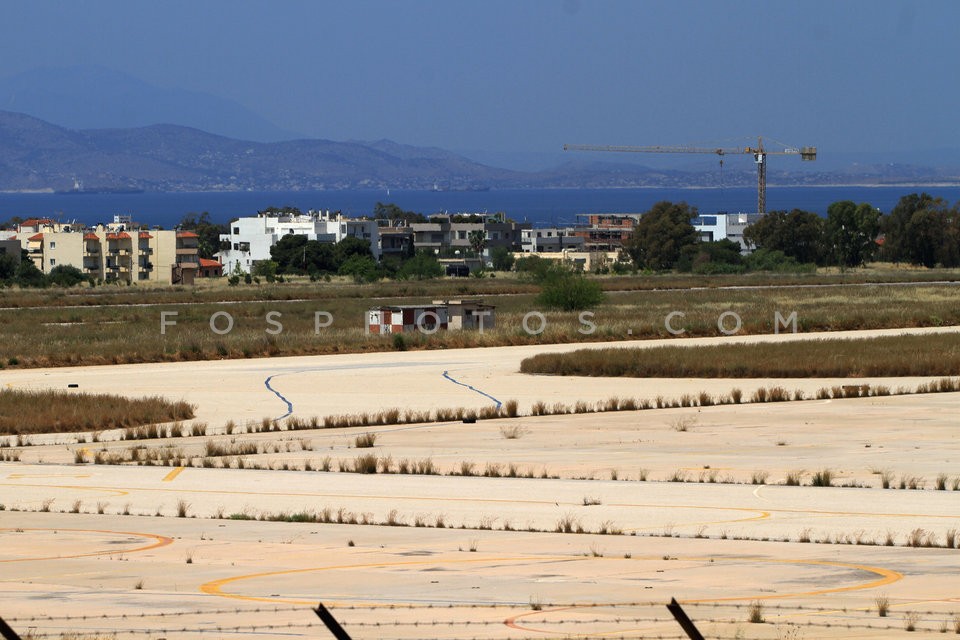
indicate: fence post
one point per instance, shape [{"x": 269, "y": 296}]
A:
[
  {"x": 685, "y": 622},
  {"x": 327, "y": 618},
  {"x": 7, "y": 632}
]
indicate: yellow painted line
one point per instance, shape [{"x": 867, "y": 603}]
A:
[
  {"x": 215, "y": 587},
  {"x": 173, "y": 474},
  {"x": 159, "y": 541},
  {"x": 115, "y": 492},
  {"x": 17, "y": 476},
  {"x": 887, "y": 576}
]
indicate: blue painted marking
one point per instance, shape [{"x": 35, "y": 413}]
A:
[
  {"x": 446, "y": 374},
  {"x": 289, "y": 404},
  {"x": 279, "y": 395}
]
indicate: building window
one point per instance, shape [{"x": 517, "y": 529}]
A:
[
  {"x": 53, "y": 245},
  {"x": 236, "y": 231},
  {"x": 53, "y": 261}
]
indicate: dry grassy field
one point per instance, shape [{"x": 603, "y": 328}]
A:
[
  {"x": 128, "y": 333},
  {"x": 886, "y": 356}
]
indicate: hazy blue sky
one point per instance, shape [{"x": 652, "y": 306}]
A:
[{"x": 528, "y": 76}]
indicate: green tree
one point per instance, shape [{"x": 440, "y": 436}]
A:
[
  {"x": 798, "y": 234},
  {"x": 8, "y": 267},
  {"x": 922, "y": 230},
  {"x": 568, "y": 291},
  {"x": 661, "y": 234},
  {"x": 931, "y": 237},
  {"x": 395, "y": 215},
  {"x": 421, "y": 266},
  {"x": 66, "y": 275},
  {"x": 282, "y": 211},
  {"x": 351, "y": 246},
  {"x": 294, "y": 254},
  {"x": 502, "y": 258},
  {"x": 11, "y": 223},
  {"x": 851, "y": 232},
  {"x": 478, "y": 241},
  {"x": 265, "y": 268},
  {"x": 894, "y": 226},
  {"x": 720, "y": 256},
  {"x": 208, "y": 232},
  {"x": 28, "y": 275},
  {"x": 361, "y": 268}
]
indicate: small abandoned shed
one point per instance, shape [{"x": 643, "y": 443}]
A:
[{"x": 440, "y": 314}]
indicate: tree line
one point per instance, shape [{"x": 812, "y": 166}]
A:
[{"x": 920, "y": 230}]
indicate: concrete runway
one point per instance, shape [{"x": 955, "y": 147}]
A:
[{"x": 716, "y": 546}]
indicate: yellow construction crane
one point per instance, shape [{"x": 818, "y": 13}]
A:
[{"x": 759, "y": 157}]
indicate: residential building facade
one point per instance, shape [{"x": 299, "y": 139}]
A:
[
  {"x": 550, "y": 240},
  {"x": 450, "y": 233},
  {"x": 250, "y": 239},
  {"x": 725, "y": 225},
  {"x": 113, "y": 253},
  {"x": 606, "y": 231}
]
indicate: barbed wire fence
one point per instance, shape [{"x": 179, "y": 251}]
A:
[{"x": 449, "y": 621}]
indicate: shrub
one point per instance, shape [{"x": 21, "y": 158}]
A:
[
  {"x": 365, "y": 464},
  {"x": 883, "y": 605},
  {"x": 365, "y": 440},
  {"x": 570, "y": 292},
  {"x": 822, "y": 478}
]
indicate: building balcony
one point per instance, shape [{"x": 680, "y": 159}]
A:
[
  {"x": 147, "y": 251},
  {"x": 186, "y": 251},
  {"x": 91, "y": 251}
]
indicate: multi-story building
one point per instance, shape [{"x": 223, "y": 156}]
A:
[
  {"x": 250, "y": 239},
  {"x": 112, "y": 253},
  {"x": 550, "y": 240},
  {"x": 725, "y": 225},
  {"x": 445, "y": 232},
  {"x": 606, "y": 231},
  {"x": 395, "y": 241}
]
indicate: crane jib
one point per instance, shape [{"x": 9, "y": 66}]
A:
[{"x": 805, "y": 153}]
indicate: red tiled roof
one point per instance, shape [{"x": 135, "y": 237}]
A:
[
  {"x": 39, "y": 236},
  {"x": 145, "y": 236},
  {"x": 209, "y": 264},
  {"x": 118, "y": 236},
  {"x": 32, "y": 222},
  {"x": 90, "y": 236},
  {"x": 187, "y": 234}
]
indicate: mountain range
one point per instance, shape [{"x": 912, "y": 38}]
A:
[
  {"x": 36, "y": 155},
  {"x": 107, "y": 136}
]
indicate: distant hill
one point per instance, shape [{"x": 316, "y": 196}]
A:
[
  {"x": 93, "y": 97},
  {"x": 38, "y": 155}
]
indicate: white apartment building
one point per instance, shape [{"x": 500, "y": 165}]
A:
[
  {"x": 725, "y": 225},
  {"x": 550, "y": 239},
  {"x": 250, "y": 239}
]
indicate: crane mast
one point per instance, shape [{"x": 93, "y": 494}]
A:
[{"x": 759, "y": 157}]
